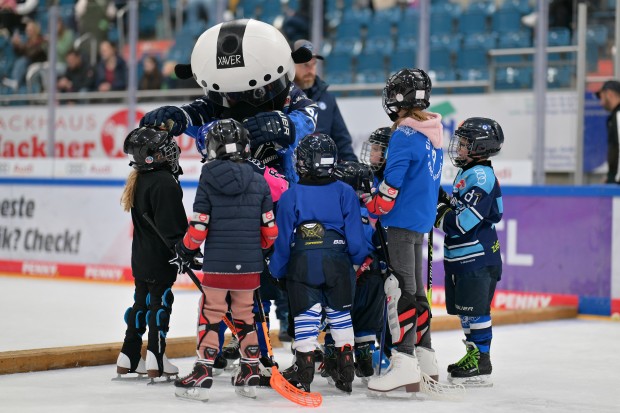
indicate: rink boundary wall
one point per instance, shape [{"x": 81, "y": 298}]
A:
[{"x": 23, "y": 361}]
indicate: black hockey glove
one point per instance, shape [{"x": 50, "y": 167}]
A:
[
  {"x": 442, "y": 210},
  {"x": 171, "y": 118},
  {"x": 443, "y": 197},
  {"x": 270, "y": 127},
  {"x": 186, "y": 258}
]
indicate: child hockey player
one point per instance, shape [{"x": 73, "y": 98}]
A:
[
  {"x": 246, "y": 69},
  {"x": 152, "y": 188},
  {"x": 321, "y": 238},
  {"x": 406, "y": 199},
  {"x": 373, "y": 152},
  {"x": 472, "y": 260},
  {"x": 369, "y": 296},
  {"x": 233, "y": 216}
]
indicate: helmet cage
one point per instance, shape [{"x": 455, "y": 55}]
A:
[
  {"x": 378, "y": 140},
  {"x": 482, "y": 138},
  {"x": 356, "y": 174},
  {"x": 150, "y": 148}
]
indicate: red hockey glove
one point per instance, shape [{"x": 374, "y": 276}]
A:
[{"x": 382, "y": 201}]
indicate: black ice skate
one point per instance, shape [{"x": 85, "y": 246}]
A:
[
  {"x": 329, "y": 365},
  {"x": 473, "y": 370},
  {"x": 301, "y": 373},
  {"x": 231, "y": 350},
  {"x": 219, "y": 364},
  {"x": 196, "y": 385},
  {"x": 363, "y": 361},
  {"x": 247, "y": 377},
  {"x": 345, "y": 368}
]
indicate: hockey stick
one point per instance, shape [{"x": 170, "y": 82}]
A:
[
  {"x": 186, "y": 268},
  {"x": 277, "y": 381},
  {"x": 429, "y": 273}
]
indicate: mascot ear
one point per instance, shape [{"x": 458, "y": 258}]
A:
[
  {"x": 301, "y": 55},
  {"x": 183, "y": 71}
]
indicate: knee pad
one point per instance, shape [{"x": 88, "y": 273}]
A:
[
  {"x": 204, "y": 324},
  {"x": 135, "y": 317},
  {"x": 406, "y": 314},
  {"x": 161, "y": 313},
  {"x": 243, "y": 329}
]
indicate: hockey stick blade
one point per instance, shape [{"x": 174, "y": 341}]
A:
[{"x": 292, "y": 393}]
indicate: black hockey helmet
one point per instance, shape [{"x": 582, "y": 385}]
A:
[
  {"x": 227, "y": 139},
  {"x": 151, "y": 148},
  {"x": 484, "y": 139},
  {"x": 406, "y": 89},
  {"x": 378, "y": 141},
  {"x": 316, "y": 155},
  {"x": 356, "y": 174}
]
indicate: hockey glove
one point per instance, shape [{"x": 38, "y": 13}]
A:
[
  {"x": 186, "y": 258},
  {"x": 442, "y": 210},
  {"x": 382, "y": 201},
  {"x": 173, "y": 119},
  {"x": 443, "y": 197},
  {"x": 270, "y": 127}
]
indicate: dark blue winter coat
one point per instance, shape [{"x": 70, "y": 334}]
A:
[
  {"x": 235, "y": 197},
  {"x": 330, "y": 121}
]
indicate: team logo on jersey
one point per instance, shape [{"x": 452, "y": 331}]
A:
[{"x": 460, "y": 184}]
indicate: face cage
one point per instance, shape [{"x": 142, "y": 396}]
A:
[
  {"x": 453, "y": 150},
  {"x": 172, "y": 152},
  {"x": 366, "y": 153},
  {"x": 254, "y": 97}
]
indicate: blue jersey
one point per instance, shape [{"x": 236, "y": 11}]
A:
[
  {"x": 471, "y": 240},
  {"x": 301, "y": 110},
  {"x": 413, "y": 165},
  {"x": 335, "y": 205}
]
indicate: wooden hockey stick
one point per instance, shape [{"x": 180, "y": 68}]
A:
[{"x": 277, "y": 381}]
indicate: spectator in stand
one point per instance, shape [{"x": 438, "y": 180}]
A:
[
  {"x": 610, "y": 100},
  {"x": 9, "y": 19},
  {"x": 79, "y": 76},
  {"x": 64, "y": 41},
  {"x": 330, "y": 121},
  {"x": 93, "y": 17},
  {"x": 151, "y": 76},
  {"x": 171, "y": 81},
  {"x": 111, "y": 71},
  {"x": 30, "y": 50}
]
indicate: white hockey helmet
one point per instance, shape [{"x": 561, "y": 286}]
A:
[{"x": 242, "y": 60}]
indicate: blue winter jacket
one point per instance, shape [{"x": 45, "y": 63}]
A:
[{"x": 235, "y": 197}]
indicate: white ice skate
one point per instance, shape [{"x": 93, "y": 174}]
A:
[
  {"x": 403, "y": 373},
  {"x": 123, "y": 367},
  {"x": 428, "y": 362},
  {"x": 152, "y": 368},
  {"x": 430, "y": 384}
]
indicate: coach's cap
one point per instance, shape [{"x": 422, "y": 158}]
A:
[
  {"x": 609, "y": 85},
  {"x": 308, "y": 45}
]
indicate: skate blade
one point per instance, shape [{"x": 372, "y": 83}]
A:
[
  {"x": 246, "y": 391},
  {"x": 472, "y": 382},
  {"x": 217, "y": 372},
  {"x": 396, "y": 394},
  {"x": 232, "y": 366},
  {"x": 441, "y": 391},
  {"x": 165, "y": 378},
  {"x": 130, "y": 377},
  {"x": 192, "y": 393}
]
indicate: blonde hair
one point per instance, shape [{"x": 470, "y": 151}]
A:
[
  {"x": 127, "y": 198},
  {"x": 414, "y": 113}
]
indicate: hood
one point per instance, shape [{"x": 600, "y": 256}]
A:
[
  {"x": 432, "y": 128},
  {"x": 227, "y": 177}
]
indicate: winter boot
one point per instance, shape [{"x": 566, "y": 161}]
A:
[
  {"x": 301, "y": 373},
  {"x": 428, "y": 362},
  {"x": 231, "y": 350},
  {"x": 125, "y": 365},
  {"x": 363, "y": 359},
  {"x": 474, "y": 371},
  {"x": 159, "y": 366},
  {"x": 329, "y": 365},
  {"x": 196, "y": 385},
  {"x": 403, "y": 371},
  {"x": 345, "y": 368}
]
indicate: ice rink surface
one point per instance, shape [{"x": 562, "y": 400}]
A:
[{"x": 556, "y": 366}]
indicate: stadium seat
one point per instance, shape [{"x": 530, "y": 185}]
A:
[
  {"x": 408, "y": 27},
  {"x": 471, "y": 75},
  {"x": 506, "y": 20},
  {"x": 339, "y": 63},
  {"x": 441, "y": 76},
  {"x": 391, "y": 14},
  {"x": 402, "y": 59},
  {"x": 558, "y": 36},
  {"x": 442, "y": 17},
  {"x": 339, "y": 77},
  {"x": 359, "y": 16},
  {"x": 371, "y": 61},
  {"x": 440, "y": 57},
  {"x": 559, "y": 77},
  {"x": 383, "y": 46},
  {"x": 371, "y": 76},
  {"x": 513, "y": 40},
  {"x": 474, "y": 53},
  {"x": 346, "y": 46},
  {"x": 472, "y": 21},
  {"x": 348, "y": 30},
  {"x": 379, "y": 29}
]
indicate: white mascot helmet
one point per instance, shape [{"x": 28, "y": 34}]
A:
[{"x": 242, "y": 60}]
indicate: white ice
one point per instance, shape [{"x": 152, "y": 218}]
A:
[{"x": 558, "y": 366}]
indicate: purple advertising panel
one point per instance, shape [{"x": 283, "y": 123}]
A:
[{"x": 551, "y": 244}]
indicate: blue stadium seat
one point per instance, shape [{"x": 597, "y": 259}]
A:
[
  {"x": 471, "y": 75},
  {"x": 474, "y": 53},
  {"x": 472, "y": 21},
  {"x": 360, "y": 16},
  {"x": 597, "y": 34},
  {"x": 513, "y": 78},
  {"x": 402, "y": 60},
  {"x": 339, "y": 77},
  {"x": 379, "y": 29},
  {"x": 441, "y": 76},
  {"x": 383, "y": 46},
  {"x": 440, "y": 57},
  {"x": 371, "y": 61},
  {"x": 513, "y": 40},
  {"x": 506, "y": 20},
  {"x": 148, "y": 13},
  {"x": 442, "y": 17},
  {"x": 450, "y": 41},
  {"x": 348, "y": 30},
  {"x": 559, "y": 77},
  {"x": 371, "y": 76},
  {"x": 408, "y": 27},
  {"x": 339, "y": 63},
  {"x": 346, "y": 46},
  {"x": 558, "y": 36},
  {"x": 392, "y": 14},
  {"x": 248, "y": 8}
]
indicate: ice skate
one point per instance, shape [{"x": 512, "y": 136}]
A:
[
  {"x": 473, "y": 370},
  {"x": 124, "y": 367},
  {"x": 231, "y": 350},
  {"x": 363, "y": 360},
  {"x": 196, "y": 385},
  {"x": 301, "y": 373},
  {"x": 345, "y": 369},
  {"x": 428, "y": 362},
  {"x": 469, "y": 347},
  {"x": 403, "y": 373},
  {"x": 153, "y": 369},
  {"x": 219, "y": 364},
  {"x": 247, "y": 378},
  {"x": 329, "y": 365}
]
